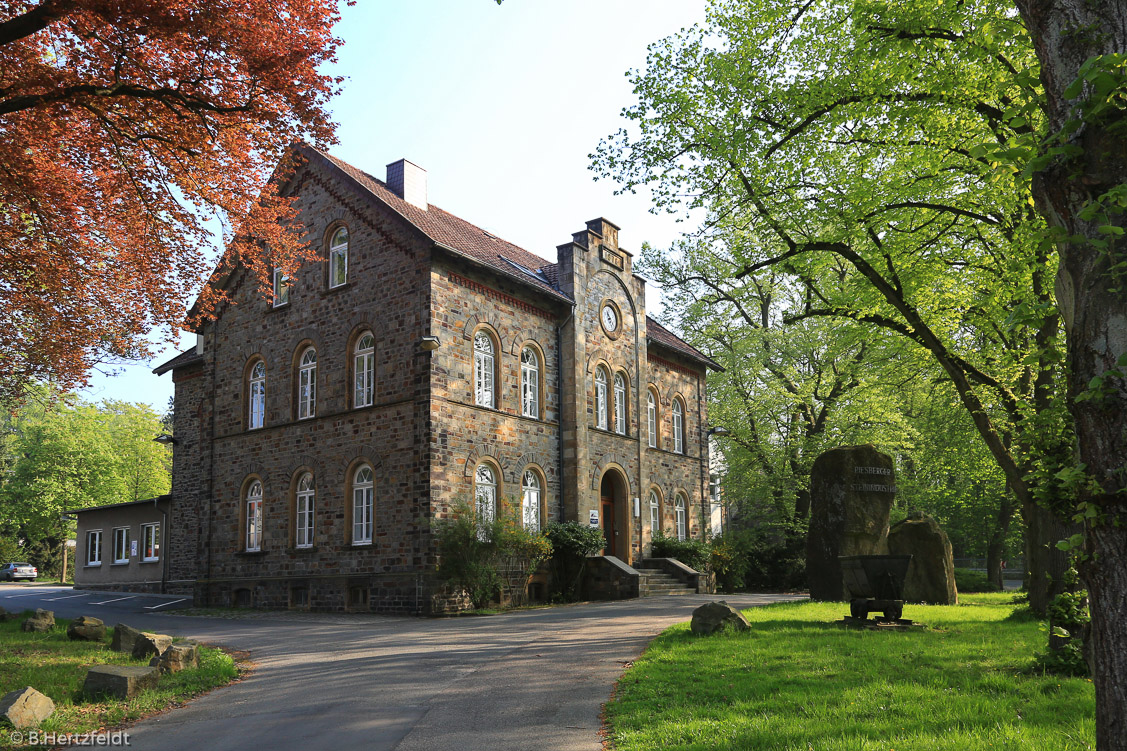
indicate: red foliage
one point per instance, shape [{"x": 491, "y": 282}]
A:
[{"x": 126, "y": 127}]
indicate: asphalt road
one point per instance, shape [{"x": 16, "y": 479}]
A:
[{"x": 532, "y": 680}]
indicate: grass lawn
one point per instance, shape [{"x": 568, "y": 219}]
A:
[
  {"x": 56, "y": 666},
  {"x": 797, "y": 682}
]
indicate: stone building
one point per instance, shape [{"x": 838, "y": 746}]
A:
[{"x": 424, "y": 361}]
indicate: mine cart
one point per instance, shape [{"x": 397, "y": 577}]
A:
[{"x": 875, "y": 584}]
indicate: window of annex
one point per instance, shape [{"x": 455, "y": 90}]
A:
[
  {"x": 121, "y": 545},
  {"x": 485, "y": 369},
  {"x": 651, "y": 417},
  {"x": 94, "y": 547},
  {"x": 281, "y": 288},
  {"x": 678, "y": 426},
  {"x": 307, "y": 384},
  {"x": 681, "y": 519},
  {"x": 150, "y": 542},
  {"x": 364, "y": 371},
  {"x": 655, "y": 513},
  {"x": 620, "y": 403},
  {"x": 363, "y": 495},
  {"x": 303, "y": 511},
  {"x": 601, "y": 397},
  {"x": 253, "y": 518},
  {"x": 530, "y": 382},
  {"x": 338, "y": 258},
  {"x": 532, "y": 493},
  {"x": 256, "y": 395},
  {"x": 485, "y": 497}
]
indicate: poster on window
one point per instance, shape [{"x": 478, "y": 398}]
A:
[{"x": 133, "y": 548}]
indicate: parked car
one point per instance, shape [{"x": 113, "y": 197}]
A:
[{"x": 13, "y": 571}]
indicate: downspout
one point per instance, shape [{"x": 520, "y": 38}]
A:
[
  {"x": 164, "y": 543},
  {"x": 702, "y": 438},
  {"x": 559, "y": 412}
]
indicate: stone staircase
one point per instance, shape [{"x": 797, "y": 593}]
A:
[{"x": 654, "y": 583}]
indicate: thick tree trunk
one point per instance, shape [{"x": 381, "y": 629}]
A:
[
  {"x": 1065, "y": 34},
  {"x": 997, "y": 542},
  {"x": 1045, "y": 563}
]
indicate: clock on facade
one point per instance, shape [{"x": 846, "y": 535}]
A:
[{"x": 610, "y": 318}]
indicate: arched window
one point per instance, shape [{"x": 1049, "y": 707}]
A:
[
  {"x": 651, "y": 418},
  {"x": 678, "y": 426},
  {"x": 530, "y": 501},
  {"x": 256, "y": 393},
  {"x": 254, "y": 517},
  {"x": 601, "y": 397},
  {"x": 655, "y": 513},
  {"x": 281, "y": 288},
  {"x": 362, "y": 491},
  {"x": 338, "y": 258},
  {"x": 679, "y": 510},
  {"x": 364, "y": 371},
  {"x": 619, "y": 403},
  {"x": 307, "y": 384},
  {"x": 483, "y": 364},
  {"x": 303, "y": 513},
  {"x": 485, "y": 497},
  {"x": 529, "y": 383}
]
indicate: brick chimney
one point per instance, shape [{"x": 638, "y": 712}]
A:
[{"x": 409, "y": 181}]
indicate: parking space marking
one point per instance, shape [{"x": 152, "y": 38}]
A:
[
  {"x": 165, "y": 604},
  {"x": 29, "y": 594},
  {"x": 119, "y": 599},
  {"x": 67, "y": 597}
]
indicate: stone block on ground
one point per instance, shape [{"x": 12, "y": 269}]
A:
[
  {"x": 26, "y": 708},
  {"x": 176, "y": 658},
  {"x": 124, "y": 637},
  {"x": 717, "y": 616},
  {"x": 931, "y": 575},
  {"x": 85, "y": 628},
  {"x": 119, "y": 681},
  {"x": 43, "y": 620},
  {"x": 147, "y": 644}
]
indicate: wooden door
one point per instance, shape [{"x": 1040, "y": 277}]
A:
[{"x": 608, "y": 525}]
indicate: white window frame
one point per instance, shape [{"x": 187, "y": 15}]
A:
[
  {"x": 363, "y": 501},
  {"x": 531, "y": 492},
  {"x": 120, "y": 539},
  {"x": 620, "y": 404},
  {"x": 281, "y": 288},
  {"x": 651, "y": 418},
  {"x": 253, "y": 531},
  {"x": 338, "y": 259},
  {"x": 303, "y": 511},
  {"x": 150, "y": 542},
  {"x": 485, "y": 393},
  {"x": 94, "y": 535},
  {"x": 485, "y": 497},
  {"x": 364, "y": 371},
  {"x": 256, "y": 389},
  {"x": 529, "y": 382},
  {"x": 601, "y": 397},
  {"x": 655, "y": 513},
  {"x": 680, "y": 513},
  {"x": 678, "y": 427},
  {"x": 307, "y": 384}
]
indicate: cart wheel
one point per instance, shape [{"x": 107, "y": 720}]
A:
[
  {"x": 859, "y": 609},
  {"x": 893, "y": 613}
]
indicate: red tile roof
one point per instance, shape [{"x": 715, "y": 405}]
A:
[{"x": 663, "y": 337}]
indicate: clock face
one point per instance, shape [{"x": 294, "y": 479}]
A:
[{"x": 610, "y": 318}]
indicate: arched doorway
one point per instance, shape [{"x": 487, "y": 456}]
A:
[{"x": 613, "y": 492}]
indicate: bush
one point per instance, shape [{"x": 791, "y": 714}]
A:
[
  {"x": 571, "y": 543},
  {"x": 969, "y": 581},
  {"x": 775, "y": 554},
  {"x": 693, "y": 553},
  {"x": 1069, "y": 625},
  {"x": 729, "y": 562}
]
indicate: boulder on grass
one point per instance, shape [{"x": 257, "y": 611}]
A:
[
  {"x": 85, "y": 628},
  {"x": 931, "y": 575},
  {"x": 26, "y": 708},
  {"x": 717, "y": 616},
  {"x": 119, "y": 681},
  {"x": 43, "y": 620},
  {"x": 176, "y": 658},
  {"x": 147, "y": 645}
]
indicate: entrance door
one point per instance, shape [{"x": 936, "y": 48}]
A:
[{"x": 608, "y": 525}]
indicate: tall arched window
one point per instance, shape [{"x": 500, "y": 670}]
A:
[
  {"x": 529, "y": 383},
  {"x": 619, "y": 403},
  {"x": 483, "y": 365},
  {"x": 256, "y": 396},
  {"x": 655, "y": 513},
  {"x": 601, "y": 397},
  {"x": 530, "y": 501},
  {"x": 364, "y": 371},
  {"x": 651, "y": 418},
  {"x": 307, "y": 384},
  {"x": 678, "y": 426},
  {"x": 362, "y": 493},
  {"x": 254, "y": 517},
  {"x": 679, "y": 510},
  {"x": 303, "y": 513},
  {"x": 338, "y": 258},
  {"x": 485, "y": 497}
]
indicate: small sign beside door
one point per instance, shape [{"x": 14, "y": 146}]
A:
[
  {"x": 594, "y": 517},
  {"x": 133, "y": 547}
]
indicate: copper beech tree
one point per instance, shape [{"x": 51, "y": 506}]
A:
[{"x": 127, "y": 129}]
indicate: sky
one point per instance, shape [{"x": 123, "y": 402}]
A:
[{"x": 502, "y": 105}]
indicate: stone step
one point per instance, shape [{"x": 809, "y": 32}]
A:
[{"x": 662, "y": 591}]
